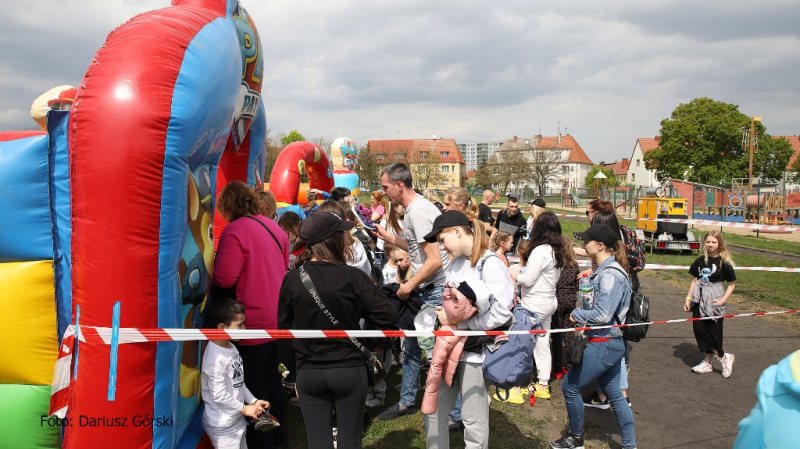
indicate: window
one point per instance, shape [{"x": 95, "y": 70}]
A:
[
  {"x": 423, "y": 169},
  {"x": 423, "y": 154},
  {"x": 637, "y": 162},
  {"x": 453, "y": 168},
  {"x": 495, "y": 170},
  {"x": 445, "y": 169},
  {"x": 633, "y": 175},
  {"x": 380, "y": 156},
  {"x": 444, "y": 154},
  {"x": 399, "y": 155}
]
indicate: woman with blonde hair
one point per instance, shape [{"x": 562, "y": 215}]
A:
[
  {"x": 459, "y": 199},
  {"x": 433, "y": 197}
]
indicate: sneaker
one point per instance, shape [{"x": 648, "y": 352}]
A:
[
  {"x": 595, "y": 402},
  {"x": 541, "y": 391},
  {"x": 455, "y": 426},
  {"x": 396, "y": 412},
  {"x": 568, "y": 441},
  {"x": 704, "y": 367},
  {"x": 727, "y": 364},
  {"x": 514, "y": 397}
]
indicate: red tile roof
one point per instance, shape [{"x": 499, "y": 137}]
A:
[
  {"x": 412, "y": 147},
  {"x": 618, "y": 168},
  {"x": 795, "y": 142},
  {"x": 648, "y": 144},
  {"x": 576, "y": 155}
]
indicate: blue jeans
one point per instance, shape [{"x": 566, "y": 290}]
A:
[
  {"x": 412, "y": 354},
  {"x": 601, "y": 361}
]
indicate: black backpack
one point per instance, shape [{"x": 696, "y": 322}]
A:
[{"x": 638, "y": 312}]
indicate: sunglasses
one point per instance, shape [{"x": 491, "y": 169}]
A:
[{"x": 590, "y": 212}]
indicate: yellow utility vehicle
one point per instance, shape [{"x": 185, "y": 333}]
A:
[{"x": 660, "y": 235}]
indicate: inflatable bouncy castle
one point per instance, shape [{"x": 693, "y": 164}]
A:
[
  {"x": 114, "y": 205},
  {"x": 345, "y": 153},
  {"x": 293, "y": 160}
]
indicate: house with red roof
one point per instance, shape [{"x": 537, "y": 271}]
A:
[
  {"x": 619, "y": 169},
  {"x": 575, "y": 164},
  {"x": 424, "y": 157},
  {"x": 794, "y": 141},
  {"x": 638, "y": 174}
]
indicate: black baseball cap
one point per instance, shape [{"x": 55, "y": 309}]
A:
[
  {"x": 445, "y": 220},
  {"x": 538, "y": 202},
  {"x": 322, "y": 225},
  {"x": 599, "y": 233}
]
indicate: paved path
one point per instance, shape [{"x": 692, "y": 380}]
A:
[{"x": 676, "y": 408}]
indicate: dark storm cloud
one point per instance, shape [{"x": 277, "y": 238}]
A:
[{"x": 610, "y": 71}]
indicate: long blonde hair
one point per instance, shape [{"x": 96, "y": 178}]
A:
[
  {"x": 480, "y": 240},
  {"x": 722, "y": 250},
  {"x": 459, "y": 195},
  {"x": 431, "y": 196}
]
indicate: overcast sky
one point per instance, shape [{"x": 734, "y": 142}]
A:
[{"x": 608, "y": 71}]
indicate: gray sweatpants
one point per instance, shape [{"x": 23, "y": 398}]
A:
[{"x": 470, "y": 382}]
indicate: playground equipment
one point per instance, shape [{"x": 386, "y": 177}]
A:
[
  {"x": 110, "y": 215},
  {"x": 659, "y": 235},
  {"x": 761, "y": 204}
]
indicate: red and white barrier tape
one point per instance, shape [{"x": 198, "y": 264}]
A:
[
  {"x": 93, "y": 334},
  {"x": 655, "y": 266},
  {"x": 730, "y": 224}
]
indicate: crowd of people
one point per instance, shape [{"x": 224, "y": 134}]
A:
[{"x": 338, "y": 266}]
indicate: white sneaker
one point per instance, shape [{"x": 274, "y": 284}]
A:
[
  {"x": 704, "y": 367},
  {"x": 727, "y": 364}
]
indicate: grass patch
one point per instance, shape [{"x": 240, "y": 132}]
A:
[{"x": 761, "y": 242}]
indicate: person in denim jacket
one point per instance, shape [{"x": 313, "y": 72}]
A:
[{"x": 603, "y": 354}]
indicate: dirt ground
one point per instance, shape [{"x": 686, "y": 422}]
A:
[{"x": 674, "y": 407}]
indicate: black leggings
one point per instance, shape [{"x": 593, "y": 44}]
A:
[
  {"x": 322, "y": 389},
  {"x": 262, "y": 378}
]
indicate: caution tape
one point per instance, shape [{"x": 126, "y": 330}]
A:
[
  {"x": 655, "y": 266},
  {"x": 94, "y": 334},
  {"x": 730, "y": 224}
]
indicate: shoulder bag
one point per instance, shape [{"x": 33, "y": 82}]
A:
[{"x": 375, "y": 370}]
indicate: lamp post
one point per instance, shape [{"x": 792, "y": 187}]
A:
[{"x": 752, "y": 139}]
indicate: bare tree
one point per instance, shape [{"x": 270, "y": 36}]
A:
[
  {"x": 509, "y": 166},
  {"x": 545, "y": 165},
  {"x": 425, "y": 170}
]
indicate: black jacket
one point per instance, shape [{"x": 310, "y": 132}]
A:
[
  {"x": 517, "y": 221},
  {"x": 349, "y": 295}
]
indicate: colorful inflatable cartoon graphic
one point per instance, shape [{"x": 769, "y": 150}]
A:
[
  {"x": 292, "y": 161},
  {"x": 170, "y": 105},
  {"x": 344, "y": 153},
  {"x": 27, "y": 291}
]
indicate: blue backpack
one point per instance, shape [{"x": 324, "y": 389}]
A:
[{"x": 508, "y": 362}]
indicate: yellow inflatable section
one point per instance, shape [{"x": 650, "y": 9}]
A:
[{"x": 29, "y": 321}]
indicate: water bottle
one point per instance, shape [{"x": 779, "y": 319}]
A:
[{"x": 586, "y": 291}]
